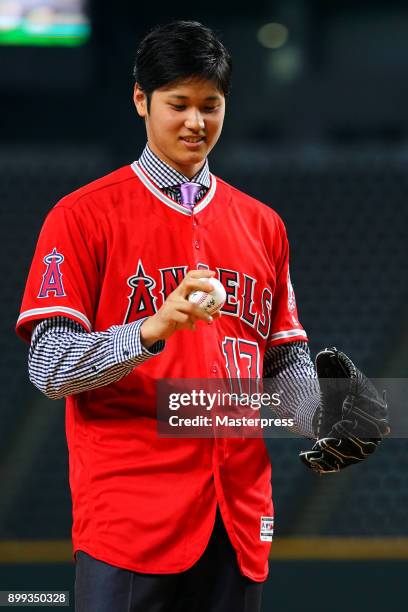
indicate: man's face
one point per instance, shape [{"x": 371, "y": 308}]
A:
[{"x": 184, "y": 122}]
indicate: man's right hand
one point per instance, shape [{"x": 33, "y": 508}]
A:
[{"x": 177, "y": 312}]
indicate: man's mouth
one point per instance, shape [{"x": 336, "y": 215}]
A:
[{"x": 193, "y": 139}]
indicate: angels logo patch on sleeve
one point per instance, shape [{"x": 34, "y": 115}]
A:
[
  {"x": 266, "y": 532},
  {"x": 291, "y": 295},
  {"x": 52, "y": 277}
]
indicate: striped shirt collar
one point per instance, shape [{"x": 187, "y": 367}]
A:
[{"x": 164, "y": 176}]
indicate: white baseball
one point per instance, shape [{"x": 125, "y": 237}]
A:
[{"x": 213, "y": 301}]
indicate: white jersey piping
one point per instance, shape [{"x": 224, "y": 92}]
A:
[
  {"x": 55, "y": 310},
  {"x": 288, "y": 334}
]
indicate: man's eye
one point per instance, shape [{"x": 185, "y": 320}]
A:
[
  {"x": 210, "y": 109},
  {"x": 178, "y": 107}
]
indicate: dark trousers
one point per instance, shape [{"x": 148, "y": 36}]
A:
[{"x": 213, "y": 584}]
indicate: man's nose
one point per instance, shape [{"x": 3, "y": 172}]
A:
[{"x": 195, "y": 121}]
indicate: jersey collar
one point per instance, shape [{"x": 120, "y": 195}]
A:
[
  {"x": 155, "y": 190},
  {"x": 164, "y": 176}
]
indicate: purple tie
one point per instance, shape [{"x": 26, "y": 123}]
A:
[{"x": 188, "y": 192}]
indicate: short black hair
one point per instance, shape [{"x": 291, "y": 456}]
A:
[{"x": 180, "y": 50}]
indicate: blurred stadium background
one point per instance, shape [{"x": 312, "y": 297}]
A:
[{"x": 317, "y": 127}]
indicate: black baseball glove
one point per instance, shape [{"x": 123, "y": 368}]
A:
[{"x": 352, "y": 418}]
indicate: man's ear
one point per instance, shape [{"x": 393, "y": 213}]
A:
[{"x": 140, "y": 100}]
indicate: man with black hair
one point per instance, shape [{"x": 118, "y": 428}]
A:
[{"x": 164, "y": 524}]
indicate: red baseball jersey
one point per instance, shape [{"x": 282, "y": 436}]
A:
[{"x": 109, "y": 254}]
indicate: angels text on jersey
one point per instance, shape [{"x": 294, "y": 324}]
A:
[{"x": 145, "y": 297}]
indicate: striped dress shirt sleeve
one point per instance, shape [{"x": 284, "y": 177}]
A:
[
  {"x": 290, "y": 368},
  {"x": 65, "y": 359}
]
